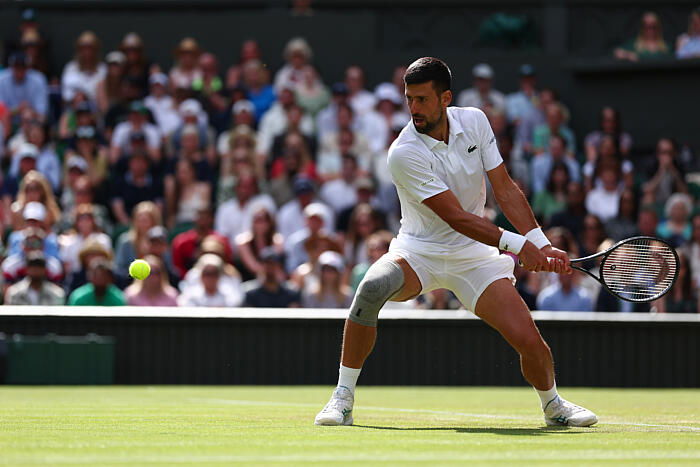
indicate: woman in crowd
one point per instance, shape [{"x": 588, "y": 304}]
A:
[
  {"x": 85, "y": 70},
  {"x": 109, "y": 89},
  {"x": 364, "y": 221},
  {"x": 186, "y": 68},
  {"x": 330, "y": 290},
  {"x": 676, "y": 229},
  {"x": 84, "y": 229},
  {"x": 210, "y": 289},
  {"x": 153, "y": 290},
  {"x": 185, "y": 195},
  {"x": 688, "y": 44},
  {"x": 132, "y": 244},
  {"x": 263, "y": 234},
  {"x": 548, "y": 202},
  {"x": 610, "y": 125},
  {"x": 35, "y": 187},
  {"x": 648, "y": 44}
]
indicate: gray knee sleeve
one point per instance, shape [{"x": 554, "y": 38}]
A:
[{"x": 382, "y": 280}]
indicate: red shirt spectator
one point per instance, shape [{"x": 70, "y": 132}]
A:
[{"x": 186, "y": 246}]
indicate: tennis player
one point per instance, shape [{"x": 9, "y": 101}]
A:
[{"x": 438, "y": 164}]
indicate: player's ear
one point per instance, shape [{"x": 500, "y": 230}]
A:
[{"x": 446, "y": 98}]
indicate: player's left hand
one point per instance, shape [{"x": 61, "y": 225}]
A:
[{"x": 558, "y": 259}]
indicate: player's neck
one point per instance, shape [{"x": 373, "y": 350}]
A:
[{"x": 441, "y": 132}]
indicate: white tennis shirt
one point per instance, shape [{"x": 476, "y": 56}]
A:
[{"x": 422, "y": 167}]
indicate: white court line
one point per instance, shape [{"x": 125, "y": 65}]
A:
[{"x": 428, "y": 411}]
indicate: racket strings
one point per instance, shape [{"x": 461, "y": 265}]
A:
[{"x": 640, "y": 270}]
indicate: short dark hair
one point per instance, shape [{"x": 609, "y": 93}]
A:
[{"x": 429, "y": 69}]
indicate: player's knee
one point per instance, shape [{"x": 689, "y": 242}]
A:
[
  {"x": 382, "y": 281},
  {"x": 532, "y": 345}
]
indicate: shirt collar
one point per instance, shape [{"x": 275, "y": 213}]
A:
[{"x": 455, "y": 130}]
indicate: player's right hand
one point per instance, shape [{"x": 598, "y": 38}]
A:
[{"x": 533, "y": 259}]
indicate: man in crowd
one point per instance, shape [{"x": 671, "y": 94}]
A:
[
  {"x": 22, "y": 87},
  {"x": 267, "y": 291},
  {"x": 482, "y": 95},
  {"x": 186, "y": 246},
  {"x": 35, "y": 289},
  {"x": 565, "y": 295}
]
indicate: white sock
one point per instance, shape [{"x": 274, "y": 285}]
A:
[
  {"x": 348, "y": 377},
  {"x": 548, "y": 395}
]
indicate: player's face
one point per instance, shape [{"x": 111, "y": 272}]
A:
[{"x": 427, "y": 107}]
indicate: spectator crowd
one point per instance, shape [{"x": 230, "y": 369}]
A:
[{"x": 246, "y": 186}]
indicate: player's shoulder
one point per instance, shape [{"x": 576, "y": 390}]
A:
[
  {"x": 467, "y": 115},
  {"x": 407, "y": 145}
]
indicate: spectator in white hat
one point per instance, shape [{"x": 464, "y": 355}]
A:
[
  {"x": 35, "y": 217},
  {"x": 482, "y": 95},
  {"x": 297, "y": 54},
  {"x": 161, "y": 104},
  {"x": 329, "y": 291},
  {"x": 305, "y": 245}
]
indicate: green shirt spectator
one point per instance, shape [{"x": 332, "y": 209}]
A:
[
  {"x": 99, "y": 291},
  {"x": 86, "y": 296}
]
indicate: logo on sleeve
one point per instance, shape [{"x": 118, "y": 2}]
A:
[{"x": 471, "y": 149}]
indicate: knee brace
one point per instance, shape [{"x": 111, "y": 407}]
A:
[{"x": 382, "y": 280}]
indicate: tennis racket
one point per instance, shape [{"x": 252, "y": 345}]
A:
[{"x": 638, "y": 269}]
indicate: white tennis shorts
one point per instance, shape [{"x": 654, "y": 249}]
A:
[{"x": 467, "y": 273}]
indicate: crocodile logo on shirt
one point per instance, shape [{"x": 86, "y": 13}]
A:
[{"x": 471, "y": 149}]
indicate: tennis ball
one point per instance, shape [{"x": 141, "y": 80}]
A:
[{"x": 139, "y": 269}]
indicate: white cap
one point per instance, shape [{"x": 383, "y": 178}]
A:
[
  {"x": 387, "y": 92},
  {"x": 27, "y": 150},
  {"x": 482, "y": 70},
  {"x": 77, "y": 162},
  {"x": 332, "y": 259},
  {"x": 243, "y": 105},
  {"x": 35, "y": 211},
  {"x": 158, "y": 78},
  {"x": 190, "y": 107},
  {"x": 115, "y": 57},
  {"x": 315, "y": 209}
]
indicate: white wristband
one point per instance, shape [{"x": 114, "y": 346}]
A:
[
  {"x": 538, "y": 237},
  {"x": 511, "y": 242}
]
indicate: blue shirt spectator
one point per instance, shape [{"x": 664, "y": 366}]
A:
[
  {"x": 541, "y": 165},
  {"x": 19, "y": 84},
  {"x": 564, "y": 295}
]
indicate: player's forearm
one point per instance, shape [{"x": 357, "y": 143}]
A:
[
  {"x": 516, "y": 208},
  {"x": 476, "y": 227}
]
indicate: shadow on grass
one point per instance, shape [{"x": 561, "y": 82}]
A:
[{"x": 472, "y": 430}]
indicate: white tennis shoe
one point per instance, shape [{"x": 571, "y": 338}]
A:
[
  {"x": 338, "y": 410},
  {"x": 560, "y": 412}
]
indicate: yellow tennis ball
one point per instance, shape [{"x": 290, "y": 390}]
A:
[{"x": 139, "y": 269}]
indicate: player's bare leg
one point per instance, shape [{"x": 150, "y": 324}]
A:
[
  {"x": 359, "y": 338},
  {"x": 502, "y": 308}
]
